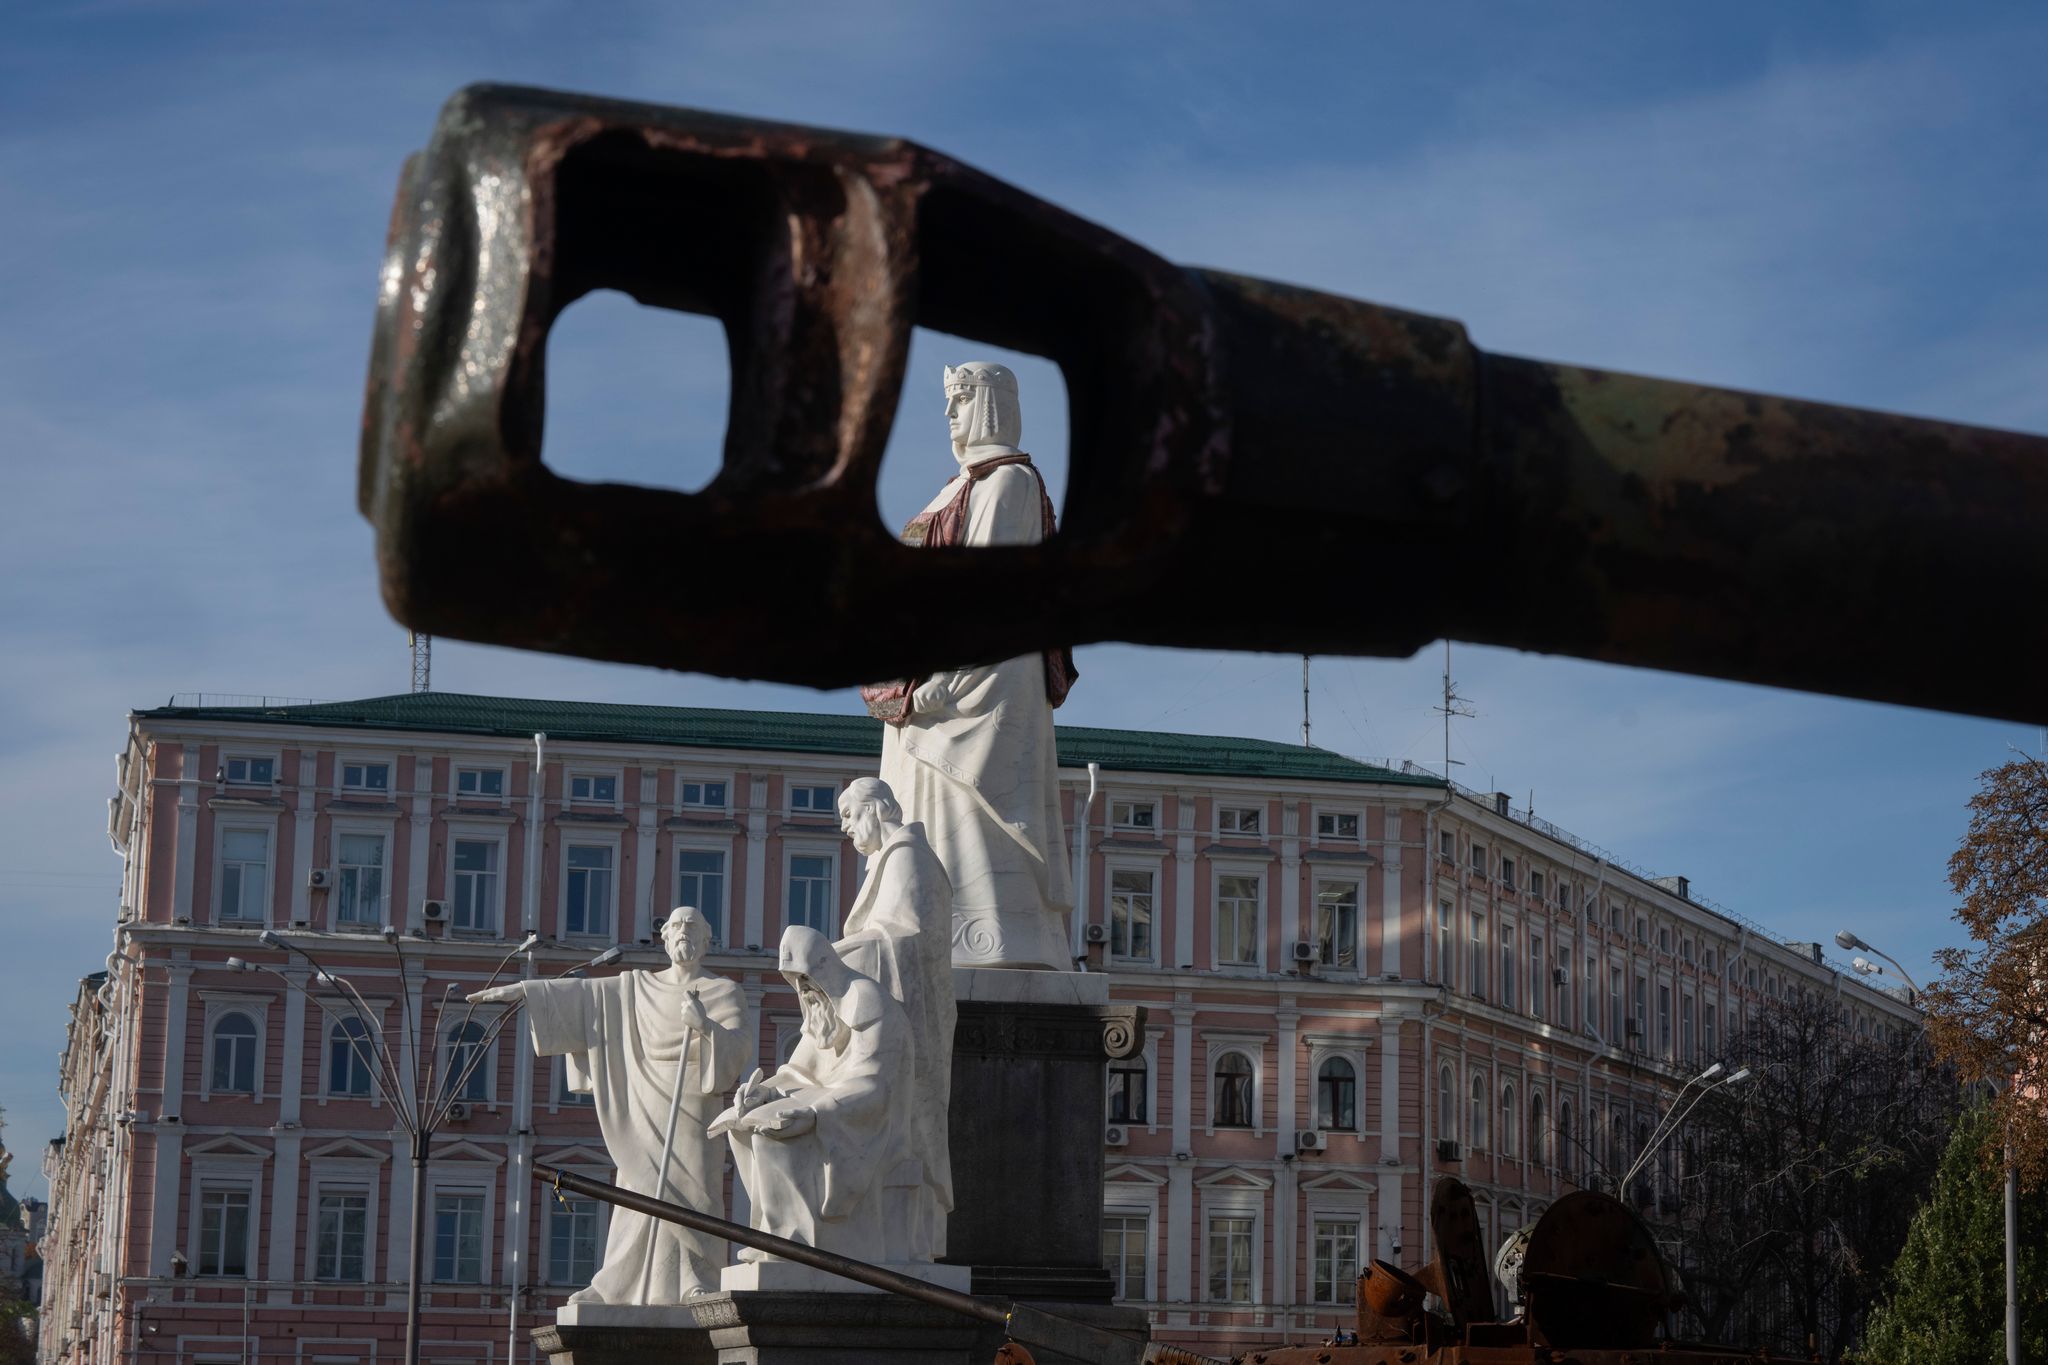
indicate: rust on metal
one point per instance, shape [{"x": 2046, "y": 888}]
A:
[{"x": 1229, "y": 437}]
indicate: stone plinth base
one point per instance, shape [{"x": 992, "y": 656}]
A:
[
  {"x": 784, "y": 1329},
  {"x": 1026, "y": 1117},
  {"x": 789, "y": 1277},
  {"x": 678, "y": 1341}
]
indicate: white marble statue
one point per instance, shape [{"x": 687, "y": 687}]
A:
[
  {"x": 969, "y": 752},
  {"x": 815, "y": 1141},
  {"x": 899, "y": 932},
  {"x": 623, "y": 1037}
]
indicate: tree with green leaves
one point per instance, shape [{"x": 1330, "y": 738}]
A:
[{"x": 1945, "y": 1295}]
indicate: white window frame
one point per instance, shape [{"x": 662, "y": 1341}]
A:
[
  {"x": 1234, "y": 1202},
  {"x": 1479, "y": 1102},
  {"x": 1357, "y": 814},
  {"x": 1146, "y": 1216},
  {"x": 790, "y": 784},
  {"x": 444, "y": 1051},
  {"x": 268, "y": 829},
  {"x": 458, "y": 832},
  {"x": 613, "y": 842},
  {"x": 218, "y": 1004},
  {"x": 558, "y": 1086},
  {"x": 483, "y": 1180},
  {"x": 1128, "y": 822},
  {"x": 723, "y": 937},
  {"x": 342, "y": 1176},
  {"x": 1150, "y": 1056},
  {"x": 1154, "y": 867},
  {"x": 332, "y": 1014},
  {"x": 550, "y": 1273},
  {"x": 1317, "y": 878},
  {"x": 384, "y": 828},
  {"x": 584, "y": 772},
  {"x": 1507, "y": 952},
  {"x": 700, "y": 779},
  {"x": 1253, "y": 1048},
  {"x": 230, "y": 757},
  {"x": 1450, "y": 1102},
  {"x": 210, "y": 1172},
  {"x": 460, "y": 797},
  {"x": 1259, "y": 872},
  {"x": 792, "y": 849},
  {"x": 344, "y": 761},
  {"x": 1508, "y": 1122},
  {"x": 1319, "y": 1053},
  {"x": 1343, "y": 1292},
  {"x": 1257, "y": 809}
]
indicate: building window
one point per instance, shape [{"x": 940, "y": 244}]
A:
[
  {"x": 1240, "y": 820},
  {"x": 350, "y": 1057},
  {"x": 1231, "y": 1105},
  {"x": 224, "y": 1231},
  {"x": 1685, "y": 949},
  {"x": 1663, "y": 938},
  {"x": 1536, "y": 983},
  {"x": 1711, "y": 1047},
  {"x": 260, "y": 772},
  {"x": 480, "y": 782},
  {"x": 1507, "y": 966},
  {"x": 1336, "y": 824},
  {"x": 1507, "y": 871},
  {"x": 1663, "y": 1021},
  {"x": 1685, "y": 1035},
  {"x": 588, "y": 884},
  {"x": 593, "y": 787},
  {"x": 1447, "y": 846},
  {"x": 1336, "y": 1260},
  {"x": 700, "y": 883},
  {"x": 1539, "y": 1135},
  {"x": 1126, "y": 1237},
  {"x": 359, "y": 899},
  {"x": 1509, "y": 1126},
  {"x": 704, "y": 795},
  {"x": 1614, "y": 1029},
  {"x": 366, "y": 777},
  {"x": 1237, "y": 921},
  {"x": 244, "y": 874},
  {"x": 1337, "y": 1095},
  {"x": 234, "y": 1055},
  {"x": 814, "y": 800},
  {"x": 572, "y": 1241},
  {"x": 1337, "y": 925},
  {"x": 1127, "y": 1077},
  {"x": 1446, "y": 1104},
  {"x": 1535, "y": 885},
  {"x": 1475, "y": 956},
  {"x": 810, "y": 891},
  {"x": 1135, "y": 815},
  {"x": 341, "y": 1236},
  {"x": 1642, "y": 1014},
  {"x": 1642, "y": 929},
  {"x": 1567, "y": 1146},
  {"x": 476, "y": 886},
  {"x": 1614, "y": 918},
  {"x": 1476, "y": 1113},
  {"x": 1130, "y": 915},
  {"x": 564, "y": 1095},
  {"x": 1479, "y": 859},
  {"x": 460, "y": 1078},
  {"x": 1446, "y": 945},
  {"x": 458, "y": 1237},
  {"x": 1230, "y": 1260}
]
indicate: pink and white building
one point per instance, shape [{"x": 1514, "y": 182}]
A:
[{"x": 1356, "y": 980}]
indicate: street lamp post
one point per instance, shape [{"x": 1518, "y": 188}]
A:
[
  {"x": 423, "y": 1107},
  {"x": 1675, "y": 1116}
]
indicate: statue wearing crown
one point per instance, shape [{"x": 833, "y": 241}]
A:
[{"x": 969, "y": 753}]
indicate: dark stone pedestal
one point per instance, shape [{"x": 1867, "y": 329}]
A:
[
  {"x": 1029, "y": 1055},
  {"x": 752, "y": 1328}
]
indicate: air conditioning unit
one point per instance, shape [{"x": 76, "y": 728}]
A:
[
  {"x": 1096, "y": 934},
  {"x": 1561, "y": 976},
  {"x": 458, "y": 1112},
  {"x": 1447, "y": 1150},
  {"x": 320, "y": 878},
  {"x": 181, "y": 919},
  {"x": 1305, "y": 952},
  {"x": 1116, "y": 1135},
  {"x": 1311, "y": 1140},
  {"x": 434, "y": 911}
]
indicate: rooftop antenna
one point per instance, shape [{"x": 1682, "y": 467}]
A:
[
  {"x": 422, "y": 659},
  {"x": 1453, "y": 705},
  {"x": 1304, "y": 701}
]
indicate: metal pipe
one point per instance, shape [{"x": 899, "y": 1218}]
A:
[
  {"x": 420, "y": 1139},
  {"x": 1018, "y": 1321}
]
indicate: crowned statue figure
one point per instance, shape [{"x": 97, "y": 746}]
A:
[{"x": 969, "y": 752}]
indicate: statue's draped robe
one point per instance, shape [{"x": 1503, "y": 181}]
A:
[
  {"x": 983, "y": 776},
  {"x": 899, "y": 932},
  {"x": 621, "y": 1036},
  {"x": 823, "y": 1187}
]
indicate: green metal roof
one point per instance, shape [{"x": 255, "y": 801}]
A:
[{"x": 800, "y": 732}]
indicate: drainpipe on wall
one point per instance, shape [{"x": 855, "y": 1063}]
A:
[
  {"x": 1079, "y": 928},
  {"x": 531, "y": 907}
]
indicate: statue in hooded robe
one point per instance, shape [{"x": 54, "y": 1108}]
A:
[
  {"x": 899, "y": 933},
  {"x": 814, "y": 1141},
  {"x": 969, "y": 753},
  {"x": 622, "y": 1037}
]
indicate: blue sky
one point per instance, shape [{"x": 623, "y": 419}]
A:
[{"x": 1844, "y": 202}]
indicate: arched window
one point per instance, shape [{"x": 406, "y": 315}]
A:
[
  {"x": 1337, "y": 1095},
  {"x": 1617, "y": 1142},
  {"x": 1231, "y": 1091},
  {"x": 1476, "y": 1115},
  {"x": 1567, "y": 1148},
  {"x": 1539, "y": 1135},
  {"x": 1641, "y": 1188},
  {"x": 234, "y": 1054},
  {"x": 350, "y": 1053},
  {"x": 463, "y": 1042},
  {"x": 1447, "y": 1105},
  {"x": 1508, "y": 1124}
]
